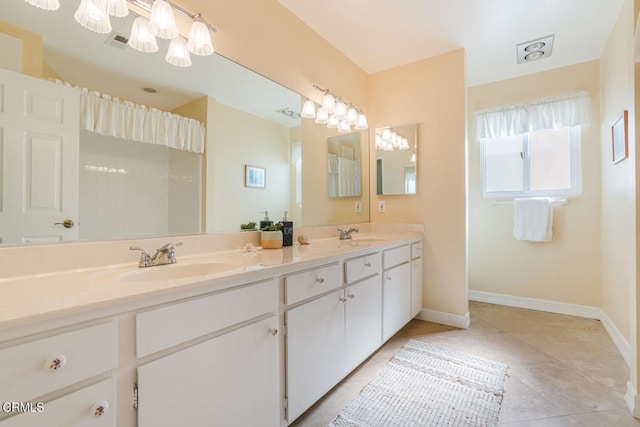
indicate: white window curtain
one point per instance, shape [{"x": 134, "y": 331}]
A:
[
  {"x": 107, "y": 115},
  {"x": 550, "y": 113}
]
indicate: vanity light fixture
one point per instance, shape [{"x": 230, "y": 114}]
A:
[
  {"x": 388, "y": 139},
  {"x": 45, "y": 4},
  {"x": 335, "y": 112},
  {"x": 94, "y": 16}
]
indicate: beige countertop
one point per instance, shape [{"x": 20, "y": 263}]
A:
[{"x": 30, "y": 298}]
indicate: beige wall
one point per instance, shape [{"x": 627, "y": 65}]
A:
[
  {"x": 32, "y": 63},
  {"x": 430, "y": 93},
  {"x": 567, "y": 269},
  {"x": 618, "y": 190}
]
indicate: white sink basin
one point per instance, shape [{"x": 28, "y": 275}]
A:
[{"x": 177, "y": 271}]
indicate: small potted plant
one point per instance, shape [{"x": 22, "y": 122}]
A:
[
  {"x": 250, "y": 226},
  {"x": 271, "y": 236}
]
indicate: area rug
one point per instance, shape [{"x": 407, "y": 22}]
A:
[{"x": 425, "y": 385}]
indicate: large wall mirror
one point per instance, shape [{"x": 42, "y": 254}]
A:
[
  {"x": 128, "y": 189},
  {"x": 396, "y": 164},
  {"x": 344, "y": 165}
]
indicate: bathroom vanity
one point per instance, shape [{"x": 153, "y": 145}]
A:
[{"x": 225, "y": 338}]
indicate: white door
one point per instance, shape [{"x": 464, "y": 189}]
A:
[{"x": 39, "y": 146}]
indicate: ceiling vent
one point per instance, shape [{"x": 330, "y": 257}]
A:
[
  {"x": 535, "y": 49},
  {"x": 117, "y": 40},
  {"x": 289, "y": 113}
]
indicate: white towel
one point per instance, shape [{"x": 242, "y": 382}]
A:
[{"x": 533, "y": 219}]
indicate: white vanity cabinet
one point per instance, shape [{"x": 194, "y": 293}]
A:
[
  {"x": 330, "y": 335},
  {"x": 45, "y": 366},
  {"x": 396, "y": 290},
  {"x": 416, "y": 278},
  {"x": 229, "y": 379}
]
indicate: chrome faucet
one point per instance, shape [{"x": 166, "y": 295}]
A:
[
  {"x": 164, "y": 255},
  {"x": 346, "y": 235}
]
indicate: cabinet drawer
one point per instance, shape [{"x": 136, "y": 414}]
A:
[
  {"x": 168, "y": 326},
  {"x": 311, "y": 283},
  {"x": 416, "y": 250},
  {"x": 360, "y": 268},
  {"x": 76, "y": 409},
  {"x": 24, "y": 369},
  {"x": 396, "y": 256}
]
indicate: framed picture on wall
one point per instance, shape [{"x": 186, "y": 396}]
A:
[
  {"x": 255, "y": 177},
  {"x": 620, "y": 138}
]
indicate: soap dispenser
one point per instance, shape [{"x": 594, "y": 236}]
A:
[
  {"x": 266, "y": 222},
  {"x": 287, "y": 230}
]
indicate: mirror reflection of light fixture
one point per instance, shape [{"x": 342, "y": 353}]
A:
[
  {"x": 141, "y": 38},
  {"x": 92, "y": 15},
  {"x": 178, "y": 53},
  {"x": 162, "y": 22},
  {"x": 387, "y": 139},
  {"x": 45, "y": 4},
  {"x": 335, "y": 112},
  {"x": 117, "y": 8}
]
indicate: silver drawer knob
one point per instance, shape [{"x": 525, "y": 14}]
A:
[
  {"x": 273, "y": 331},
  {"x": 320, "y": 280},
  {"x": 343, "y": 300},
  {"x": 367, "y": 264},
  {"x": 351, "y": 296},
  {"x": 99, "y": 408},
  {"x": 55, "y": 363}
]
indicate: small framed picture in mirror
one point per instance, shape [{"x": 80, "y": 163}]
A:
[
  {"x": 620, "y": 138},
  {"x": 255, "y": 177}
]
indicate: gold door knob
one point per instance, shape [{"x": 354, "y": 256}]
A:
[{"x": 67, "y": 223}]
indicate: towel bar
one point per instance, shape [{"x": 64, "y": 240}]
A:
[{"x": 510, "y": 202}]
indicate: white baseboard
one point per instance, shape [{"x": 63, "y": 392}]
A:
[
  {"x": 456, "y": 320},
  {"x": 632, "y": 399},
  {"x": 560, "y": 308}
]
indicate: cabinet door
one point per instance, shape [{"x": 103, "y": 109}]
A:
[
  {"x": 364, "y": 321},
  {"x": 315, "y": 350},
  {"x": 230, "y": 380},
  {"x": 396, "y": 301},
  {"x": 416, "y": 287}
]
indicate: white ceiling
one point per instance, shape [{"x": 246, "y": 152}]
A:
[{"x": 381, "y": 34}]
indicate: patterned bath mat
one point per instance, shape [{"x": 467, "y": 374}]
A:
[{"x": 425, "y": 385}]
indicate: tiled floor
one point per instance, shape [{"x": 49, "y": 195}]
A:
[{"x": 563, "y": 370}]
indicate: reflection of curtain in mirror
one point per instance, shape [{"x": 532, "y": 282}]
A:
[
  {"x": 296, "y": 160},
  {"x": 348, "y": 177},
  {"x": 332, "y": 174}
]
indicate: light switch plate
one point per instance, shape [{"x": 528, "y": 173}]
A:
[
  {"x": 358, "y": 207},
  {"x": 381, "y": 206}
]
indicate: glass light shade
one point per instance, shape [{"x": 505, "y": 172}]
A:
[
  {"x": 141, "y": 38},
  {"x": 118, "y": 8},
  {"x": 341, "y": 109},
  {"x": 45, "y": 4},
  {"x": 199, "y": 39},
  {"x": 362, "y": 122},
  {"x": 178, "y": 53},
  {"x": 92, "y": 15},
  {"x": 344, "y": 126},
  {"x": 352, "y": 115},
  {"x": 333, "y": 122},
  {"x": 378, "y": 141},
  {"x": 322, "y": 117},
  {"x": 386, "y": 133},
  {"x": 329, "y": 103},
  {"x": 308, "y": 109},
  {"x": 413, "y": 157},
  {"x": 162, "y": 23}
]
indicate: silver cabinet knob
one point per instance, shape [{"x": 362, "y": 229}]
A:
[
  {"x": 343, "y": 300},
  {"x": 387, "y": 277},
  {"x": 320, "y": 280},
  {"x": 367, "y": 264},
  {"x": 351, "y": 296},
  {"x": 273, "y": 331}
]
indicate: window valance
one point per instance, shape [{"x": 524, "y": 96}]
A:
[
  {"x": 110, "y": 116},
  {"x": 550, "y": 113}
]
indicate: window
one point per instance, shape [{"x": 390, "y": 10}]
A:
[{"x": 541, "y": 163}]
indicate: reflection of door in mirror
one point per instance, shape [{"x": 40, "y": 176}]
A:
[
  {"x": 343, "y": 165},
  {"x": 396, "y": 169}
]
